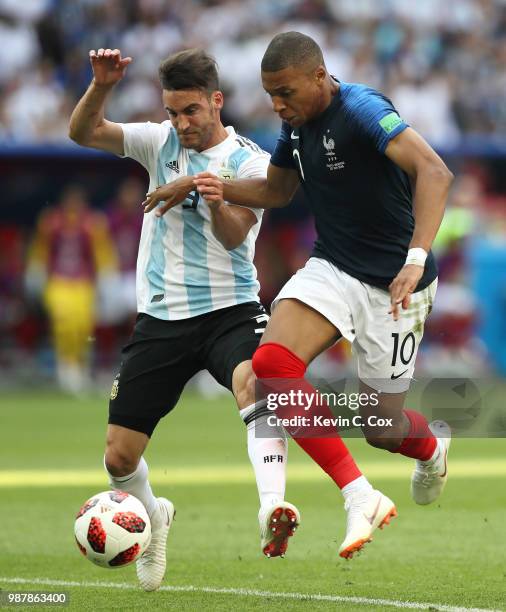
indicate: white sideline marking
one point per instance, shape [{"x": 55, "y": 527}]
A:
[
  {"x": 251, "y": 593},
  {"x": 237, "y": 474}
]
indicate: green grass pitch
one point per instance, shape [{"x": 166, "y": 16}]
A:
[{"x": 450, "y": 555}]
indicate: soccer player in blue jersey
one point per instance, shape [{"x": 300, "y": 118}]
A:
[{"x": 377, "y": 191}]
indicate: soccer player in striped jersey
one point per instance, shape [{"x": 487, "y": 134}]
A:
[
  {"x": 197, "y": 291},
  {"x": 378, "y": 192}
]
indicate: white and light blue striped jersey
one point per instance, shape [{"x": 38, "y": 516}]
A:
[{"x": 182, "y": 269}]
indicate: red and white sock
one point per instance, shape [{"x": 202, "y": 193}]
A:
[
  {"x": 420, "y": 443},
  {"x": 360, "y": 485},
  {"x": 275, "y": 361}
]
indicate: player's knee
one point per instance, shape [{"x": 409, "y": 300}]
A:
[
  {"x": 119, "y": 461},
  {"x": 272, "y": 360},
  {"x": 260, "y": 361},
  {"x": 245, "y": 391}
]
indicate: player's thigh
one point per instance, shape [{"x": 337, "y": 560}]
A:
[
  {"x": 155, "y": 367},
  {"x": 301, "y": 329},
  {"x": 311, "y": 312},
  {"x": 386, "y": 350},
  {"x": 233, "y": 338}
]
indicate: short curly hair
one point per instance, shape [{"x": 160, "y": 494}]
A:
[{"x": 189, "y": 69}]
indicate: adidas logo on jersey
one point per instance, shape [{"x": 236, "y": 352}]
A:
[{"x": 173, "y": 165}]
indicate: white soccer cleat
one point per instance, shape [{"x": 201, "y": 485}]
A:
[
  {"x": 366, "y": 512},
  {"x": 277, "y": 524},
  {"x": 429, "y": 477},
  {"x": 151, "y": 565}
]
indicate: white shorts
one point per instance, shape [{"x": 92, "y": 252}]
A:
[{"x": 385, "y": 349}]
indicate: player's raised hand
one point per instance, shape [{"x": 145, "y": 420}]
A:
[
  {"x": 171, "y": 195},
  {"x": 210, "y": 188},
  {"x": 403, "y": 286},
  {"x": 108, "y": 66}
]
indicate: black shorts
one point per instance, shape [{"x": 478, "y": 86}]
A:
[{"x": 162, "y": 356}]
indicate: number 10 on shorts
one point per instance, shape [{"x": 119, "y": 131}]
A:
[{"x": 405, "y": 350}]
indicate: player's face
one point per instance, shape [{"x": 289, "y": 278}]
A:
[
  {"x": 194, "y": 114},
  {"x": 296, "y": 93}
]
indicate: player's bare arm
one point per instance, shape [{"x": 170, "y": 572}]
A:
[
  {"x": 88, "y": 126},
  {"x": 168, "y": 195},
  {"x": 275, "y": 191},
  {"x": 230, "y": 224},
  {"x": 432, "y": 180}
]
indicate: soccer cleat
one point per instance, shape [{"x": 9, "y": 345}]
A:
[
  {"x": 151, "y": 565},
  {"x": 277, "y": 524},
  {"x": 429, "y": 477},
  {"x": 366, "y": 512}
]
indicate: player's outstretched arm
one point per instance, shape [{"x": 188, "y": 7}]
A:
[
  {"x": 88, "y": 127},
  {"x": 275, "y": 191},
  {"x": 432, "y": 180}
]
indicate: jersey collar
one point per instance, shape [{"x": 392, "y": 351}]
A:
[{"x": 224, "y": 143}]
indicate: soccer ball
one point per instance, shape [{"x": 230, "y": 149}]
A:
[{"x": 112, "y": 529}]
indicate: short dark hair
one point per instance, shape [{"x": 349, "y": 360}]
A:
[
  {"x": 291, "y": 49},
  {"x": 189, "y": 69}
]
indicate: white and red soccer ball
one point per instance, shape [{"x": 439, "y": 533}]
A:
[{"x": 112, "y": 529}]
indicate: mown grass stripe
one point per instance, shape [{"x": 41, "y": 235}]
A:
[{"x": 237, "y": 474}]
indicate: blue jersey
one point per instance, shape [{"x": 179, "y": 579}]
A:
[{"x": 361, "y": 200}]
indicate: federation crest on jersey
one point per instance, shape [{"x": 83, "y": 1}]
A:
[
  {"x": 329, "y": 145},
  {"x": 227, "y": 174}
]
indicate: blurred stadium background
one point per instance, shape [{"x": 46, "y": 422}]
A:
[{"x": 443, "y": 64}]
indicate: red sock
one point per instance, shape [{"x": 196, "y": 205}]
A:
[
  {"x": 420, "y": 442},
  {"x": 272, "y": 361},
  {"x": 333, "y": 457}
]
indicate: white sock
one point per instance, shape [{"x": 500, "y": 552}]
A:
[
  {"x": 359, "y": 485},
  {"x": 138, "y": 485},
  {"x": 267, "y": 454}
]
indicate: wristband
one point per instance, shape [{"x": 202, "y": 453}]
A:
[{"x": 416, "y": 256}]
